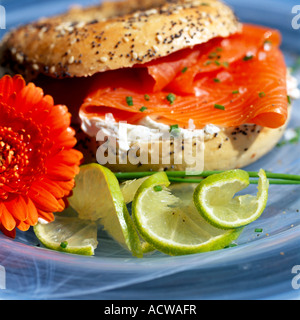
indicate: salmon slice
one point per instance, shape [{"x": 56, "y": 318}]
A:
[{"x": 226, "y": 82}]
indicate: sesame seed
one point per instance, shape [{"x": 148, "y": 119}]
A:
[
  {"x": 103, "y": 59},
  {"x": 159, "y": 38},
  {"x": 52, "y": 69},
  {"x": 71, "y": 59},
  {"x": 35, "y": 67},
  {"x": 155, "y": 48}
]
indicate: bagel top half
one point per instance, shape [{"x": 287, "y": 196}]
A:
[{"x": 114, "y": 35}]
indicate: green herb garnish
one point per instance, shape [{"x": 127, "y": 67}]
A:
[
  {"x": 296, "y": 65},
  {"x": 295, "y": 139},
  {"x": 248, "y": 57},
  {"x": 184, "y": 70},
  {"x": 174, "y": 127},
  {"x": 261, "y": 94},
  {"x": 171, "y": 98},
  {"x": 129, "y": 101},
  {"x": 180, "y": 176},
  {"x": 258, "y": 230},
  {"x": 143, "y": 108},
  {"x": 174, "y": 130},
  {"x": 207, "y": 62},
  {"x": 289, "y": 99},
  {"x": 64, "y": 244},
  {"x": 235, "y": 91},
  {"x": 216, "y": 80},
  {"x": 226, "y": 64},
  {"x": 157, "y": 188},
  {"x": 219, "y": 106},
  {"x": 212, "y": 55},
  {"x": 146, "y": 97}
]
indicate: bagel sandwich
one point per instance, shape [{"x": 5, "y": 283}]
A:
[{"x": 183, "y": 69}]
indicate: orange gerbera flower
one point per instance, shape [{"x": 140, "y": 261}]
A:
[{"x": 37, "y": 159}]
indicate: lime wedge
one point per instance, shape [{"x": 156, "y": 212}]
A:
[
  {"x": 173, "y": 226},
  {"x": 214, "y": 199},
  {"x": 97, "y": 197},
  {"x": 130, "y": 187},
  {"x": 68, "y": 234}
]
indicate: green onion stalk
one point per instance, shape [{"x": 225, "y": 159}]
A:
[{"x": 197, "y": 177}]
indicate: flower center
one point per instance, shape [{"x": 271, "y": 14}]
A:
[{"x": 15, "y": 153}]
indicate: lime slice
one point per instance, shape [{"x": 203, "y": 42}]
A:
[
  {"x": 68, "y": 234},
  {"x": 97, "y": 197},
  {"x": 130, "y": 187},
  {"x": 214, "y": 198},
  {"x": 173, "y": 226}
]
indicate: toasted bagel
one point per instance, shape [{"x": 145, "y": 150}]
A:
[{"x": 114, "y": 35}]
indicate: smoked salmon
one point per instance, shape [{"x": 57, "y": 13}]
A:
[{"x": 226, "y": 82}]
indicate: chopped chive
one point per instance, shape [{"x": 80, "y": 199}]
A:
[
  {"x": 258, "y": 230},
  {"x": 171, "y": 98},
  {"x": 248, "y": 57},
  {"x": 174, "y": 130},
  {"x": 219, "y": 106},
  {"x": 129, "y": 101},
  {"x": 261, "y": 94},
  {"x": 184, "y": 70},
  {"x": 235, "y": 91},
  {"x": 225, "y": 64},
  {"x": 174, "y": 127},
  {"x": 232, "y": 245},
  {"x": 147, "y": 97},
  {"x": 212, "y": 55},
  {"x": 157, "y": 188},
  {"x": 296, "y": 65},
  {"x": 208, "y": 62},
  {"x": 289, "y": 99},
  {"x": 143, "y": 108},
  {"x": 64, "y": 244},
  {"x": 216, "y": 80},
  {"x": 219, "y": 49},
  {"x": 217, "y": 63}
]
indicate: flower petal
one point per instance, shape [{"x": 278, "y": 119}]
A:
[
  {"x": 28, "y": 97},
  {"x": 48, "y": 216},
  {"x": 10, "y": 85},
  {"x": 11, "y": 234},
  {"x": 33, "y": 213},
  {"x": 17, "y": 208},
  {"x": 52, "y": 187},
  {"x": 43, "y": 199},
  {"x": 23, "y": 226},
  {"x": 59, "y": 118},
  {"x": 61, "y": 171},
  {"x": 7, "y": 220},
  {"x": 68, "y": 157}
]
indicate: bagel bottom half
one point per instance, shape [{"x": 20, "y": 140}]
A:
[{"x": 230, "y": 148}]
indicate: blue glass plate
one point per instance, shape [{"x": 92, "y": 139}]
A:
[{"x": 263, "y": 265}]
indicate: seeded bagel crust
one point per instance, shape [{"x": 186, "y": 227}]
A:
[{"x": 114, "y": 35}]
